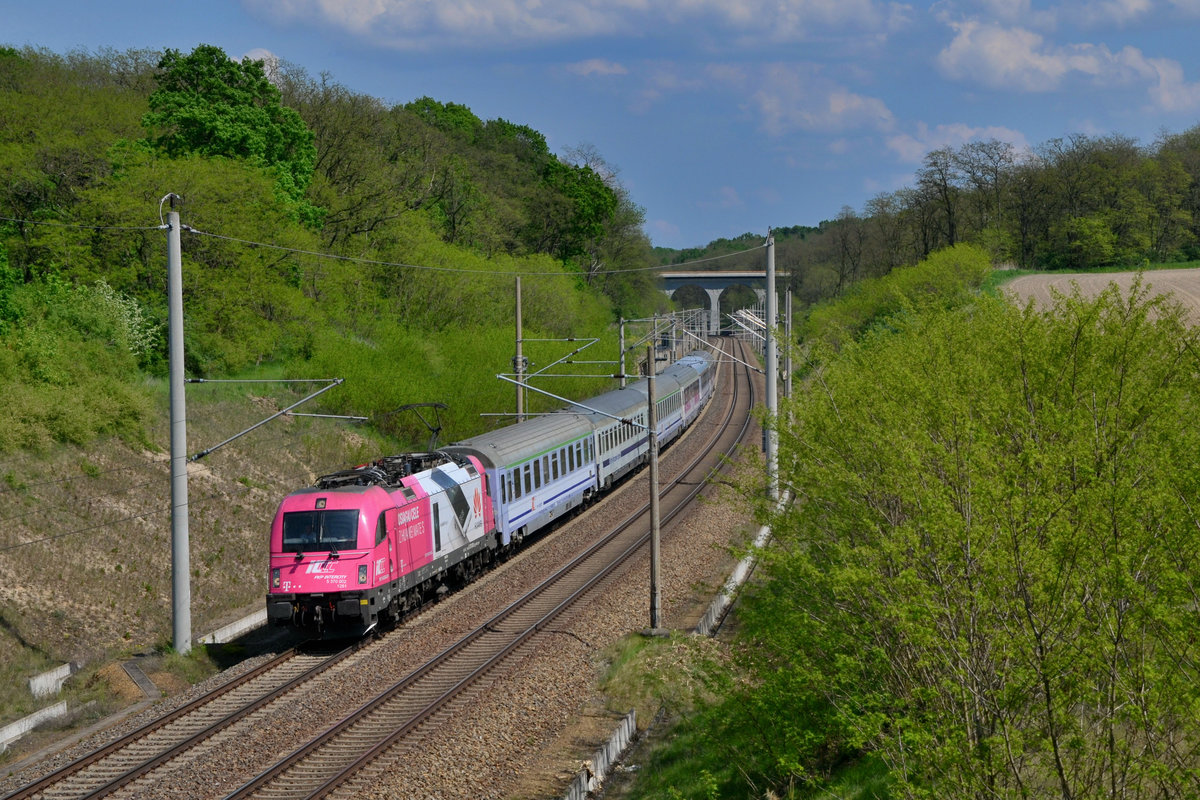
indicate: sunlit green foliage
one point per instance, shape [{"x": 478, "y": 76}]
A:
[
  {"x": 209, "y": 105},
  {"x": 452, "y": 118},
  {"x": 988, "y": 578},
  {"x": 946, "y": 279},
  {"x": 468, "y": 203},
  {"x": 70, "y": 368}
]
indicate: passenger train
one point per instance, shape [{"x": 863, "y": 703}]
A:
[{"x": 372, "y": 542}]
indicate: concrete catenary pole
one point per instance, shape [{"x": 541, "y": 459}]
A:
[
  {"x": 787, "y": 354},
  {"x": 181, "y": 588},
  {"x": 621, "y": 348},
  {"x": 655, "y": 554},
  {"x": 772, "y": 375},
  {"x": 519, "y": 361}
]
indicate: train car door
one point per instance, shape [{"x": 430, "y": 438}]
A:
[{"x": 390, "y": 531}]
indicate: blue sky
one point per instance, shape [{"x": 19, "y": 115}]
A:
[{"x": 721, "y": 116}]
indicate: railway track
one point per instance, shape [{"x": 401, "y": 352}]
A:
[
  {"x": 394, "y": 719},
  {"x": 132, "y": 756},
  {"x": 392, "y": 722}
]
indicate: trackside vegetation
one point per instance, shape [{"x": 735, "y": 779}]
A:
[
  {"x": 325, "y": 232},
  {"x": 986, "y": 586}
]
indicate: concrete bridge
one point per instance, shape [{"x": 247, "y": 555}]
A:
[{"x": 714, "y": 283}]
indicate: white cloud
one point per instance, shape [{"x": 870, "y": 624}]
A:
[
  {"x": 792, "y": 98},
  {"x": 423, "y": 24},
  {"x": 662, "y": 230},
  {"x": 1061, "y": 13},
  {"x": 1016, "y": 58},
  {"x": 912, "y": 147},
  {"x": 1171, "y": 92},
  {"x": 596, "y": 66},
  {"x": 1117, "y": 12},
  {"x": 1010, "y": 12},
  {"x": 1012, "y": 57},
  {"x": 261, "y": 54}
]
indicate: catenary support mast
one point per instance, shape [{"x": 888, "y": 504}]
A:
[{"x": 181, "y": 588}]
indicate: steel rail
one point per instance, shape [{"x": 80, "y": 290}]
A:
[{"x": 75, "y": 769}]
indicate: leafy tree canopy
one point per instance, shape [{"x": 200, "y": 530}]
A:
[
  {"x": 591, "y": 204},
  {"x": 207, "y": 104},
  {"x": 452, "y": 118}
]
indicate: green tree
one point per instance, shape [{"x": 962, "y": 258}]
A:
[
  {"x": 452, "y": 118},
  {"x": 207, "y": 104},
  {"x": 571, "y": 211}
]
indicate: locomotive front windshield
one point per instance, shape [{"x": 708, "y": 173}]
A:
[{"x": 310, "y": 531}]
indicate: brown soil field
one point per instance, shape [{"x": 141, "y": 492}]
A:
[{"x": 1183, "y": 284}]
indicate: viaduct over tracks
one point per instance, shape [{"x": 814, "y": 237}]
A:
[{"x": 714, "y": 283}]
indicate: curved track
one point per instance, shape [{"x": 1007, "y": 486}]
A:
[{"x": 394, "y": 720}]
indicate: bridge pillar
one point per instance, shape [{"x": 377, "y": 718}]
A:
[{"x": 714, "y": 312}]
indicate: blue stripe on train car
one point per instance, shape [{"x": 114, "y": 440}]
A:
[{"x": 566, "y": 491}]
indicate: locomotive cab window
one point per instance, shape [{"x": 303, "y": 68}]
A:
[{"x": 320, "y": 531}]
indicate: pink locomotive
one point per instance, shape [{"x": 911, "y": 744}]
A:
[{"x": 371, "y": 542}]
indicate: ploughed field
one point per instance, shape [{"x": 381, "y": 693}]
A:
[{"x": 1183, "y": 284}]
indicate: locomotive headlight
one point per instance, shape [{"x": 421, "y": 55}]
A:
[
  {"x": 275, "y": 579},
  {"x": 362, "y": 573}
]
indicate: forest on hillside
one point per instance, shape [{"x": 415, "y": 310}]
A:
[
  {"x": 326, "y": 232},
  {"x": 1074, "y": 203}
]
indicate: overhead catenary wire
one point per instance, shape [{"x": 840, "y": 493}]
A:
[
  {"x": 51, "y": 224},
  {"x": 376, "y": 262},
  {"x": 428, "y": 268}
]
